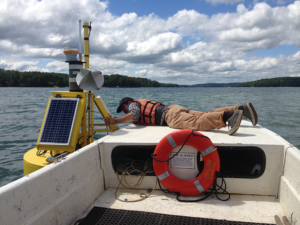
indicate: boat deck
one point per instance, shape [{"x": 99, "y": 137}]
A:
[
  {"x": 259, "y": 207},
  {"x": 246, "y": 135},
  {"x": 240, "y": 208}
]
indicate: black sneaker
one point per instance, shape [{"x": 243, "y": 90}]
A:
[
  {"x": 234, "y": 121},
  {"x": 250, "y": 113}
]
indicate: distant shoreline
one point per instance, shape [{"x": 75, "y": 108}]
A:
[
  {"x": 11, "y": 78},
  {"x": 161, "y": 87}
]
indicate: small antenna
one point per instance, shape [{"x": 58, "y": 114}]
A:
[{"x": 80, "y": 55}]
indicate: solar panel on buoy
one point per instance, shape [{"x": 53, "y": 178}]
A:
[{"x": 59, "y": 121}]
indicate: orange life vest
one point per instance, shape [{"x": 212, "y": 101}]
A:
[{"x": 147, "y": 111}]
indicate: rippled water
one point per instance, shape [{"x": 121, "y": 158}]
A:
[{"x": 22, "y": 111}]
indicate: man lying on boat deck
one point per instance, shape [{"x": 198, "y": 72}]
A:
[{"x": 147, "y": 112}]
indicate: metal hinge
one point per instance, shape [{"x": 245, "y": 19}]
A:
[{"x": 57, "y": 157}]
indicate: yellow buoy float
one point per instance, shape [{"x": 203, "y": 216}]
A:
[{"x": 33, "y": 162}]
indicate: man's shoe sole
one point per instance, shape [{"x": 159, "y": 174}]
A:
[
  {"x": 251, "y": 111},
  {"x": 238, "y": 122}
]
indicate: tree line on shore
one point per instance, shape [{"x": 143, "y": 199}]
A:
[
  {"x": 274, "y": 82},
  {"x": 13, "y": 78}
]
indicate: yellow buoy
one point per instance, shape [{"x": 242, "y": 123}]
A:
[
  {"x": 72, "y": 111},
  {"x": 33, "y": 162}
]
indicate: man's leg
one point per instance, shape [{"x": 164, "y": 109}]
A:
[
  {"x": 183, "y": 118},
  {"x": 209, "y": 120},
  {"x": 213, "y": 119},
  {"x": 248, "y": 111},
  {"x": 228, "y": 108}
]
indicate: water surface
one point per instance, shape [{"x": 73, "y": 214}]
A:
[{"x": 22, "y": 111}]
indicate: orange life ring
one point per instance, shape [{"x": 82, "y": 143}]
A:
[{"x": 210, "y": 156}]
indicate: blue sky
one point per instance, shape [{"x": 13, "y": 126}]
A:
[
  {"x": 183, "y": 42},
  {"x": 167, "y": 8},
  {"x": 164, "y": 8}
]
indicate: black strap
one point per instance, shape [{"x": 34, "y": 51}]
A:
[
  {"x": 150, "y": 115},
  {"x": 213, "y": 190}
]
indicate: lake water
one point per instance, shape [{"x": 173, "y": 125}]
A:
[{"x": 22, "y": 111}]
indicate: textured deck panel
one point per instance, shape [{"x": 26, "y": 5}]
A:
[
  {"x": 106, "y": 216},
  {"x": 239, "y": 208}
]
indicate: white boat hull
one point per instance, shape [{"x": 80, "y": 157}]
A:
[{"x": 65, "y": 191}]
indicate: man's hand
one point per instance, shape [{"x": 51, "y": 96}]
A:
[
  {"x": 110, "y": 120},
  {"x": 124, "y": 119}
]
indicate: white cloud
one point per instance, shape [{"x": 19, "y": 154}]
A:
[
  {"x": 187, "y": 22},
  {"x": 294, "y": 58},
  {"x": 262, "y": 27},
  {"x": 17, "y": 64},
  {"x": 241, "y": 8},
  {"x": 140, "y": 73},
  {"x": 58, "y": 66},
  {"x": 32, "y": 31}
]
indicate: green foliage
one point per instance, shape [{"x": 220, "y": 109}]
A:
[
  {"x": 216, "y": 85},
  {"x": 13, "y": 78},
  {"x": 116, "y": 80},
  {"x": 274, "y": 82}
]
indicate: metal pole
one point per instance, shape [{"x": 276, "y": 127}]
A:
[
  {"x": 80, "y": 50},
  {"x": 84, "y": 123},
  {"x": 89, "y": 117},
  {"x": 86, "y": 45},
  {"x": 92, "y": 117}
]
